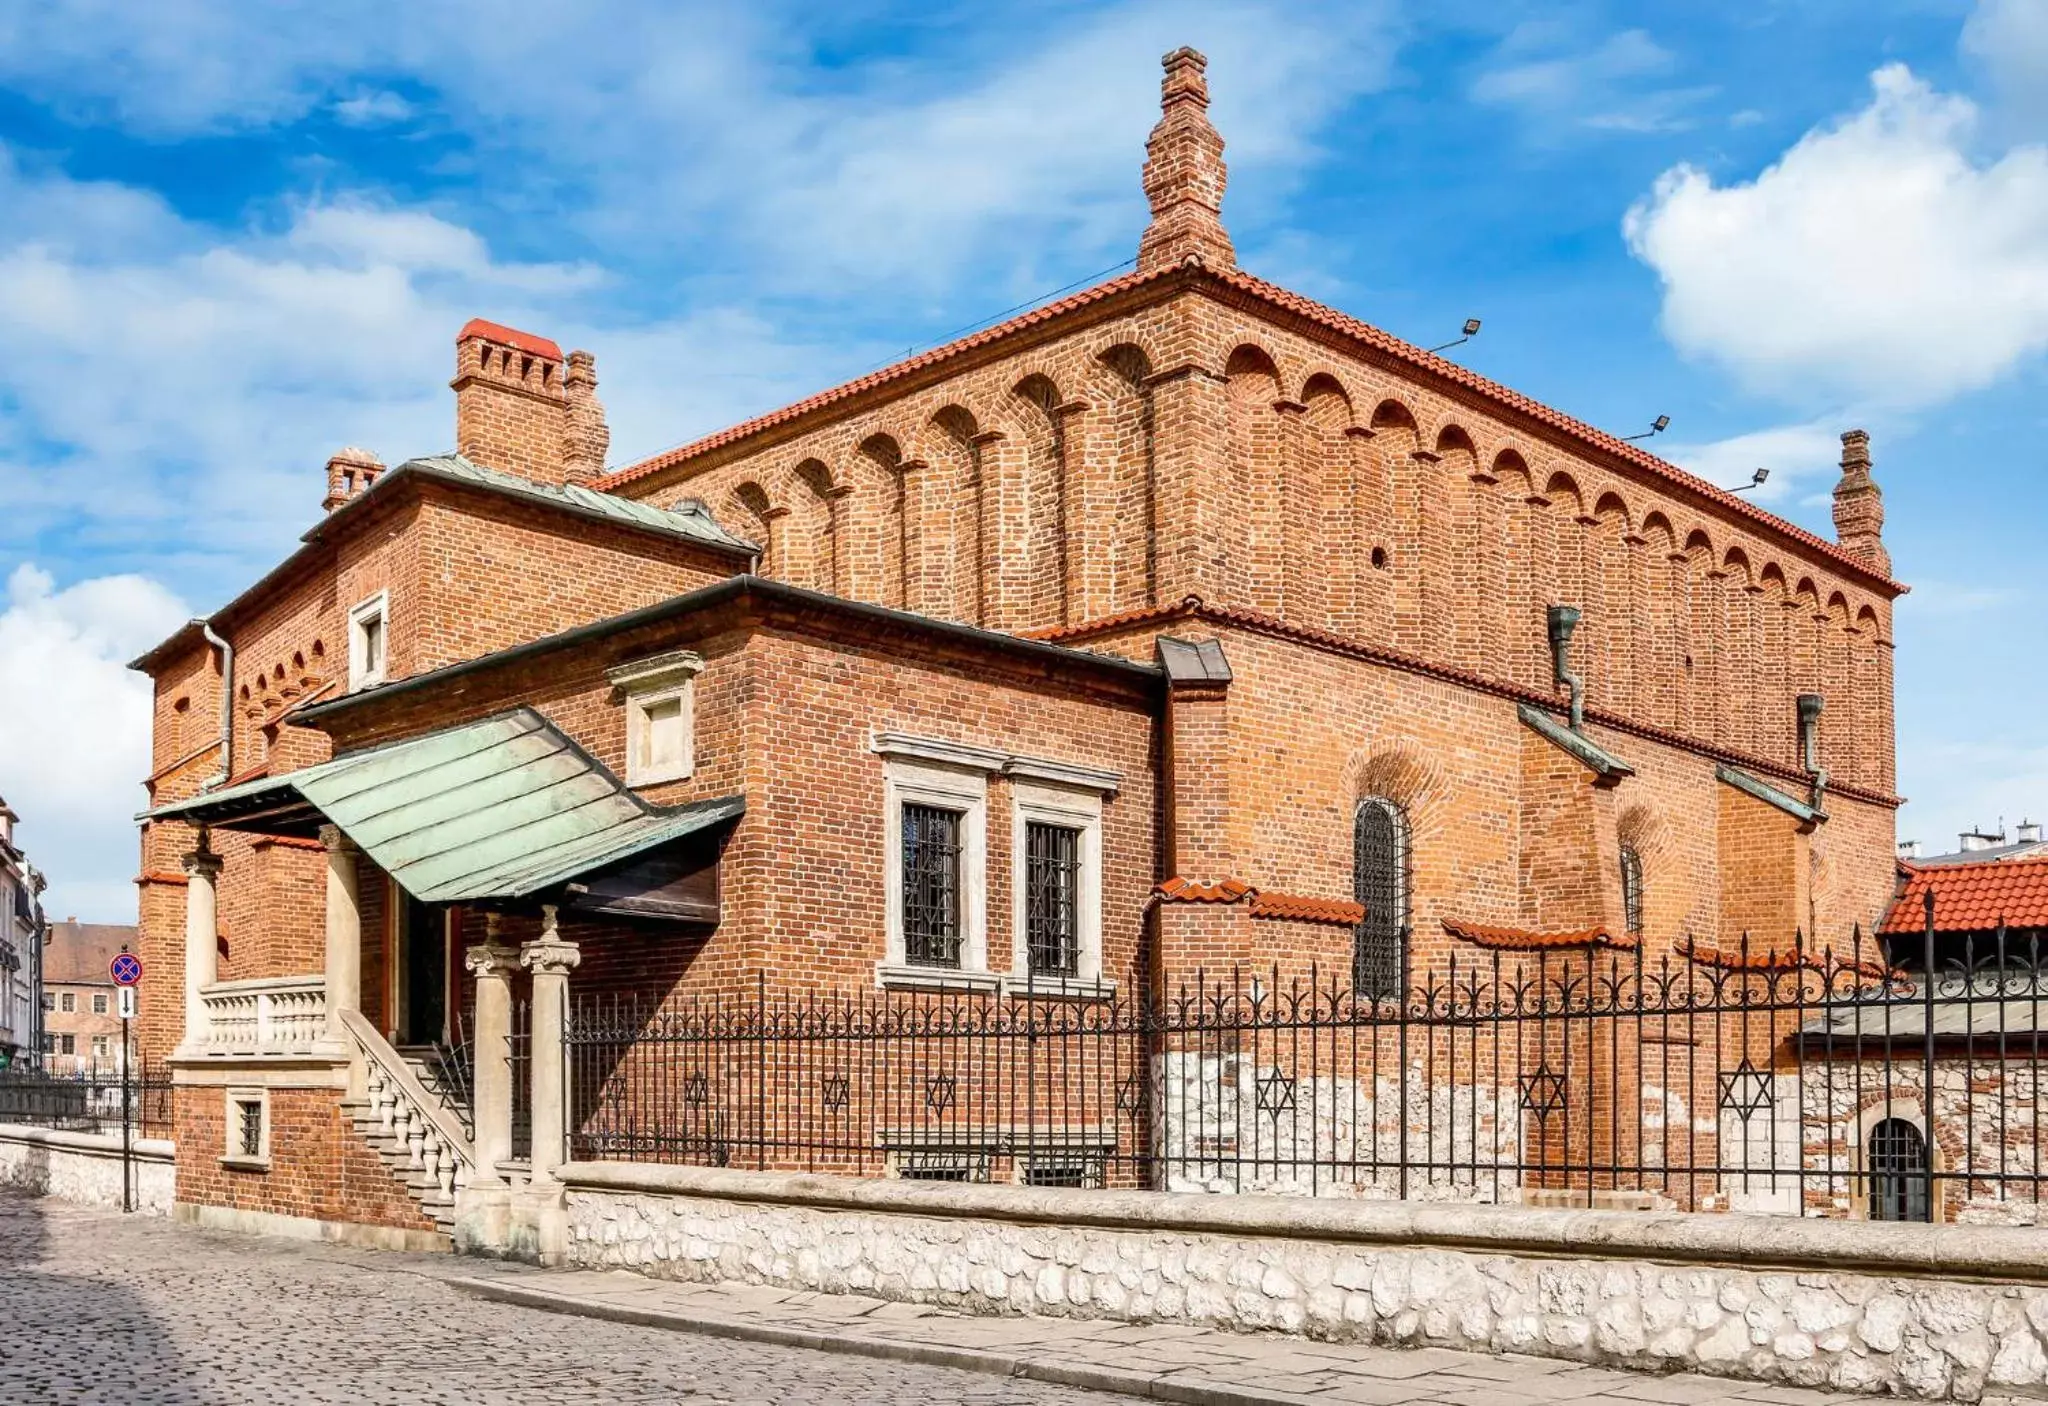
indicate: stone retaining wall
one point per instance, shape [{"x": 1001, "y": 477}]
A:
[
  {"x": 85, "y": 1167},
  {"x": 1928, "y": 1311}
]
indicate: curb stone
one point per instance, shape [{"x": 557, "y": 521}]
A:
[{"x": 1001, "y": 1364}]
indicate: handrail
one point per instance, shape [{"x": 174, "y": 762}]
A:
[{"x": 394, "y": 1068}]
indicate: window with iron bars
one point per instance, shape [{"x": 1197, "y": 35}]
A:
[
  {"x": 1898, "y": 1172},
  {"x": 1380, "y": 886},
  {"x": 942, "y": 1166},
  {"x": 931, "y": 886},
  {"x": 249, "y": 1127},
  {"x": 1052, "y": 907},
  {"x": 1632, "y": 888}
]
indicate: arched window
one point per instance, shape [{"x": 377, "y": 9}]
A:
[
  {"x": 1632, "y": 888},
  {"x": 1379, "y": 883},
  {"x": 1898, "y": 1171}
]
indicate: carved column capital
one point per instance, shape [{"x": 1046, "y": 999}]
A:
[
  {"x": 548, "y": 955},
  {"x": 490, "y": 960},
  {"x": 202, "y": 863},
  {"x": 335, "y": 841}
]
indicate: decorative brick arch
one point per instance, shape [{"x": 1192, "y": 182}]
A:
[{"x": 1115, "y": 501}]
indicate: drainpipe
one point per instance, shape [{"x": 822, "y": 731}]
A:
[
  {"x": 1563, "y": 620},
  {"x": 1810, "y": 705},
  {"x": 227, "y": 706}
]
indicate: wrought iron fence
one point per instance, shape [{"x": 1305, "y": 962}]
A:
[
  {"x": 1778, "y": 1079},
  {"x": 100, "y": 1098}
]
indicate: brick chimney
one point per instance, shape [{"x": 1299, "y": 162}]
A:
[
  {"x": 511, "y": 406},
  {"x": 350, "y": 473},
  {"x": 585, "y": 435},
  {"x": 1859, "y": 505},
  {"x": 1184, "y": 173}
]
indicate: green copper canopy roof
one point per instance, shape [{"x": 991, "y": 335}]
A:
[{"x": 500, "y": 808}]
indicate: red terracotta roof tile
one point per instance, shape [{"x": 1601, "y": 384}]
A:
[
  {"x": 510, "y": 336},
  {"x": 894, "y": 372},
  {"x": 1758, "y": 960},
  {"x": 1179, "y": 890},
  {"x": 1520, "y": 940},
  {"x": 1272, "y": 295},
  {"x": 1339, "y": 912},
  {"x": 1972, "y": 897}
]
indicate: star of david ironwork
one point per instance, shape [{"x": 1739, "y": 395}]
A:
[
  {"x": 1746, "y": 1090},
  {"x": 1276, "y": 1094},
  {"x": 696, "y": 1089},
  {"x": 938, "y": 1093},
  {"x": 1130, "y": 1096},
  {"x": 836, "y": 1091},
  {"x": 1542, "y": 1092}
]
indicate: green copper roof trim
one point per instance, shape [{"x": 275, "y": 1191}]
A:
[
  {"x": 1770, "y": 795},
  {"x": 500, "y": 808},
  {"x": 1605, "y": 766},
  {"x": 691, "y": 520}
]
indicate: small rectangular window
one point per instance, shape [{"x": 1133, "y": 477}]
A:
[
  {"x": 931, "y": 886},
  {"x": 369, "y": 637},
  {"x": 67, "y": 1044},
  {"x": 100, "y": 1047},
  {"x": 249, "y": 1127},
  {"x": 1052, "y": 908},
  {"x": 68, "y": 1002},
  {"x": 99, "y": 1003},
  {"x": 1063, "y": 1170},
  {"x": 942, "y": 1166}
]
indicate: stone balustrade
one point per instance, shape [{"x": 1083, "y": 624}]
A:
[{"x": 266, "y": 1015}]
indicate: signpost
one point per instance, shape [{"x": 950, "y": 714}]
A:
[{"x": 126, "y": 969}]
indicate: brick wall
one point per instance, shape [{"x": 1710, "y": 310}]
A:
[
  {"x": 319, "y": 1167},
  {"x": 1200, "y": 445}
]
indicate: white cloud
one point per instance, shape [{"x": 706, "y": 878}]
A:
[
  {"x": 74, "y": 729},
  {"x": 373, "y": 109},
  {"x": 1875, "y": 260},
  {"x": 2009, "y": 39},
  {"x": 1611, "y": 86},
  {"x": 1798, "y": 456},
  {"x": 714, "y": 129},
  {"x": 175, "y": 392}
]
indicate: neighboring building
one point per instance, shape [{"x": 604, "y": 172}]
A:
[
  {"x": 1982, "y": 847},
  {"x": 81, "y": 1004},
  {"x": 21, "y": 949},
  {"x": 1183, "y": 624}
]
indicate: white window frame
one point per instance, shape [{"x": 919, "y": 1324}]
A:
[
  {"x": 643, "y": 683},
  {"x": 1075, "y": 809},
  {"x": 963, "y": 789},
  {"x": 231, "y": 1125},
  {"x": 360, "y": 674},
  {"x": 99, "y": 1003}
]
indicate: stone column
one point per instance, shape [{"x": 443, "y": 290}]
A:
[
  {"x": 202, "y": 935},
  {"x": 344, "y": 930},
  {"x": 493, "y": 964},
  {"x": 550, "y": 960}
]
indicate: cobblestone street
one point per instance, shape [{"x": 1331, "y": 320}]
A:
[{"x": 133, "y": 1311}]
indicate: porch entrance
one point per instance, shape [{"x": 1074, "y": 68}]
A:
[{"x": 422, "y": 973}]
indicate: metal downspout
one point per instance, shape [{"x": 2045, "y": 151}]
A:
[{"x": 227, "y": 706}]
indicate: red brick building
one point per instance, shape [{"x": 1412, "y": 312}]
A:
[{"x": 1180, "y": 624}]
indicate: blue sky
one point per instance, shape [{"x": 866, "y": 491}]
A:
[{"x": 235, "y": 237}]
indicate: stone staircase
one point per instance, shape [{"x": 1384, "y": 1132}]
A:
[{"x": 405, "y": 1111}]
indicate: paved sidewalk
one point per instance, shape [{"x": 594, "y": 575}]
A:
[{"x": 1163, "y": 1362}]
